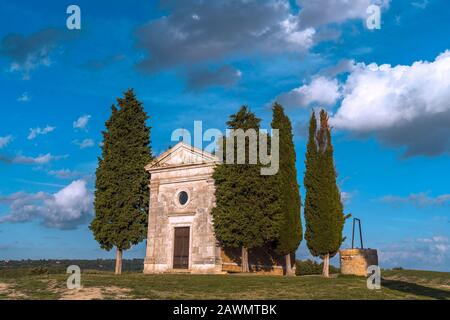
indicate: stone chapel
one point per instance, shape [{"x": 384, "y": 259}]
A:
[{"x": 180, "y": 226}]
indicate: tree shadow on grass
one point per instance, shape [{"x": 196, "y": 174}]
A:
[{"x": 416, "y": 289}]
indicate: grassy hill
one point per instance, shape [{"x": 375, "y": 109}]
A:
[{"x": 50, "y": 283}]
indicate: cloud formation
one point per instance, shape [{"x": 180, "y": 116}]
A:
[
  {"x": 81, "y": 122},
  {"x": 321, "y": 91},
  {"x": 418, "y": 199},
  {"x": 24, "y": 97},
  {"x": 65, "y": 209},
  {"x": 346, "y": 197},
  {"x": 343, "y": 66},
  {"x": 34, "y": 132},
  {"x": 403, "y": 106},
  {"x": 86, "y": 143},
  {"x": 423, "y": 4},
  {"x": 4, "y": 141},
  {"x": 322, "y": 12},
  {"x": 224, "y": 76},
  {"x": 203, "y": 31},
  {"x": 64, "y": 173},
  {"x": 432, "y": 253},
  {"x": 41, "y": 159},
  {"x": 26, "y": 53},
  {"x": 196, "y": 33}
]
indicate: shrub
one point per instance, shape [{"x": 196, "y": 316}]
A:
[
  {"x": 310, "y": 267},
  {"x": 39, "y": 271}
]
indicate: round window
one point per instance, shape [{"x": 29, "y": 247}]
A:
[{"x": 183, "y": 197}]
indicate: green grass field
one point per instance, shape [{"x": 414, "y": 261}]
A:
[{"x": 401, "y": 284}]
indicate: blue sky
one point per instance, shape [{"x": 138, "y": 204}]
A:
[{"x": 387, "y": 90}]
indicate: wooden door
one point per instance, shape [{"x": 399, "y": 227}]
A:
[{"x": 181, "y": 248}]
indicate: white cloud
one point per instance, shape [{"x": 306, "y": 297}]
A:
[
  {"x": 406, "y": 106},
  {"x": 41, "y": 159},
  {"x": 440, "y": 239},
  {"x": 64, "y": 173},
  {"x": 322, "y": 12},
  {"x": 4, "y": 141},
  {"x": 420, "y": 4},
  {"x": 82, "y": 122},
  {"x": 431, "y": 253},
  {"x": 418, "y": 199},
  {"x": 24, "y": 97},
  {"x": 86, "y": 143},
  {"x": 39, "y": 131},
  {"x": 33, "y": 61},
  {"x": 65, "y": 209},
  {"x": 346, "y": 197},
  {"x": 304, "y": 38},
  {"x": 321, "y": 90}
]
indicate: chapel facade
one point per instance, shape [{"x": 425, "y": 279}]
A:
[{"x": 180, "y": 227}]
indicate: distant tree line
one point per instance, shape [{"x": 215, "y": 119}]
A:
[{"x": 60, "y": 265}]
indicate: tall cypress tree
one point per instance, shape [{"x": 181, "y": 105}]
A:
[
  {"x": 122, "y": 193},
  {"x": 245, "y": 204},
  {"x": 324, "y": 215},
  {"x": 288, "y": 191}
]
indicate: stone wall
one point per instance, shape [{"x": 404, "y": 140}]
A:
[
  {"x": 261, "y": 261},
  {"x": 166, "y": 213},
  {"x": 356, "y": 261}
]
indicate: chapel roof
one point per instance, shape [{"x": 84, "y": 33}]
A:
[{"x": 182, "y": 154}]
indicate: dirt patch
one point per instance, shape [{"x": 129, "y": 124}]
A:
[
  {"x": 87, "y": 293},
  {"x": 8, "y": 290},
  {"x": 95, "y": 293}
]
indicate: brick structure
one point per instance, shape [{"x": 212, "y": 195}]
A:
[
  {"x": 356, "y": 261},
  {"x": 180, "y": 228}
]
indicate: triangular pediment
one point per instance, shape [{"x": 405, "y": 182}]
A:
[{"x": 182, "y": 154}]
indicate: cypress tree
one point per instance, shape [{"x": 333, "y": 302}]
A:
[
  {"x": 121, "y": 189},
  {"x": 288, "y": 192},
  {"x": 324, "y": 215},
  {"x": 245, "y": 203}
]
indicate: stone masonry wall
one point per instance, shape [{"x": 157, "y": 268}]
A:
[
  {"x": 166, "y": 213},
  {"x": 356, "y": 261}
]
